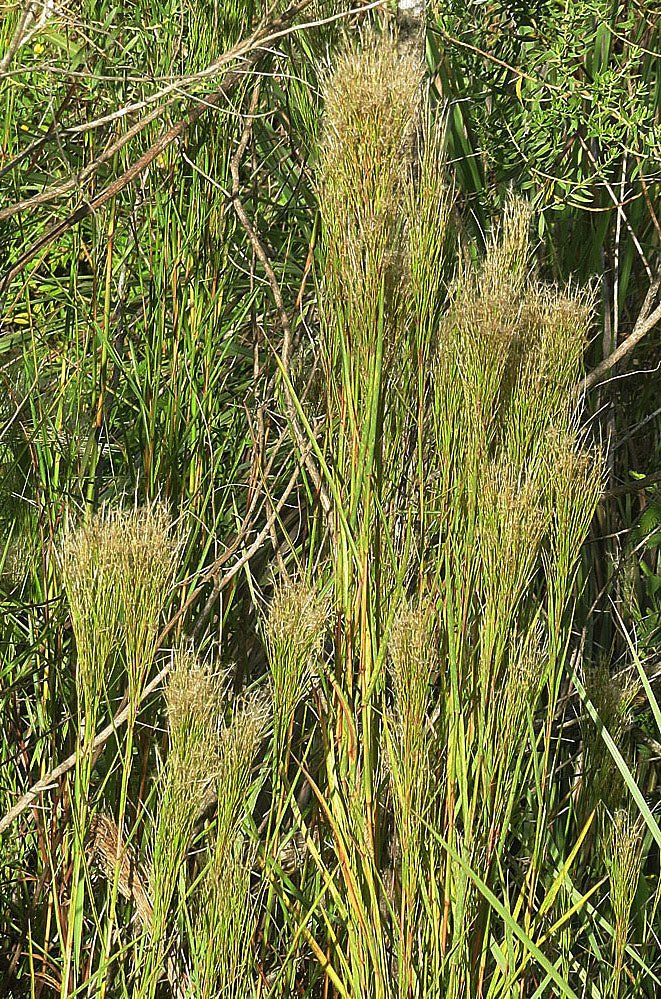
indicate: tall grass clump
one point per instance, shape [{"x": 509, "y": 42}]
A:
[
  {"x": 295, "y": 631},
  {"x": 392, "y": 749},
  {"x": 204, "y": 897},
  {"x": 226, "y": 905},
  {"x": 372, "y": 107},
  {"x": 409, "y": 738},
  {"x": 513, "y": 493},
  {"x": 460, "y": 476},
  {"x": 189, "y": 777},
  {"x": 625, "y": 845},
  {"x": 118, "y": 571},
  {"x": 91, "y": 577},
  {"x": 92, "y": 583}
]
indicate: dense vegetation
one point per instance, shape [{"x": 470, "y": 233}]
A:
[{"x": 330, "y": 518}]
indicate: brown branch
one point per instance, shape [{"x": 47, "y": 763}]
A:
[
  {"x": 249, "y": 51},
  {"x": 25, "y": 22},
  {"x": 634, "y": 487},
  {"x": 647, "y": 320},
  {"x": 112, "y": 190},
  {"x": 220, "y": 582},
  {"x": 266, "y": 36},
  {"x": 53, "y": 193}
]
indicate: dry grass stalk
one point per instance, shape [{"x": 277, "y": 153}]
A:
[
  {"x": 626, "y": 849},
  {"x": 110, "y": 852},
  {"x": 114, "y": 856},
  {"x": 193, "y": 705},
  {"x": 414, "y": 658},
  {"x": 295, "y": 630},
  {"x": 613, "y": 697},
  {"x": 91, "y": 580},
  {"x": 372, "y": 103},
  {"x": 226, "y": 918},
  {"x": 237, "y": 747}
]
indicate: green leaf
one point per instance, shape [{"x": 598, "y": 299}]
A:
[
  {"x": 506, "y": 916},
  {"x": 620, "y": 762}
]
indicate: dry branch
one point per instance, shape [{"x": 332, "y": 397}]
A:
[
  {"x": 250, "y": 52},
  {"x": 283, "y": 316},
  {"x": 647, "y": 320}
]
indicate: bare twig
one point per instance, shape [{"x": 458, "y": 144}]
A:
[
  {"x": 213, "y": 100},
  {"x": 634, "y": 487},
  {"x": 220, "y": 582},
  {"x": 58, "y": 190},
  {"x": 264, "y": 38},
  {"x": 618, "y": 203},
  {"x": 647, "y": 320},
  {"x": 32, "y": 19},
  {"x": 247, "y": 51}
]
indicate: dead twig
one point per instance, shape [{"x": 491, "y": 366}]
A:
[
  {"x": 634, "y": 487},
  {"x": 53, "y": 193},
  {"x": 232, "y": 77},
  {"x": 646, "y": 321},
  {"x": 33, "y": 17}
]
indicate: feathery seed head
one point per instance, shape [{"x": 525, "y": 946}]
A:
[
  {"x": 193, "y": 698},
  {"x": 624, "y": 867},
  {"x": 414, "y": 661},
  {"x": 613, "y": 697},
  {"x": 414, "y": 658},
  {"x": 575, "y": 484},
  {"x": 118, "y": 568},
  {"x": 238, "y": 745},
  {"x": 109, "y": 851},
  {"x": 512, "y": 524},
  {"x": 372, "y": 100},
  {"x": 89, "y": 563},
  {"x": 241, "y": 739},
  {"x": 295, "y": 630},
  {"x": 492, "y": 292},
  {"x": 554, "y": 333},
  {"x": 147, "y": 564}
]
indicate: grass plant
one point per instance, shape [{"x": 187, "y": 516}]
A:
[{"x": 327, "y": 710}]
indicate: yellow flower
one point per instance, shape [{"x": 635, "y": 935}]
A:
[{"x": 38, "y": 49}]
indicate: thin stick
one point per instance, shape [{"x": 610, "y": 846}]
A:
[
  {"x": 634, "y": 487},
  {"x": 53, "y": 193},
  {"x": 112, "y": 190},
  {"x": 646, "y": 321}
]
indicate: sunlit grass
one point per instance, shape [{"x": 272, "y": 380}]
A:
[{"x": 361, "y": 758}]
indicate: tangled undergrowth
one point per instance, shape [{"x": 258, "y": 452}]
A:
[{"x": 366, "y": 748}]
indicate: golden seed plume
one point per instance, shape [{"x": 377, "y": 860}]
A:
[{"x": 110, "y": 852}]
